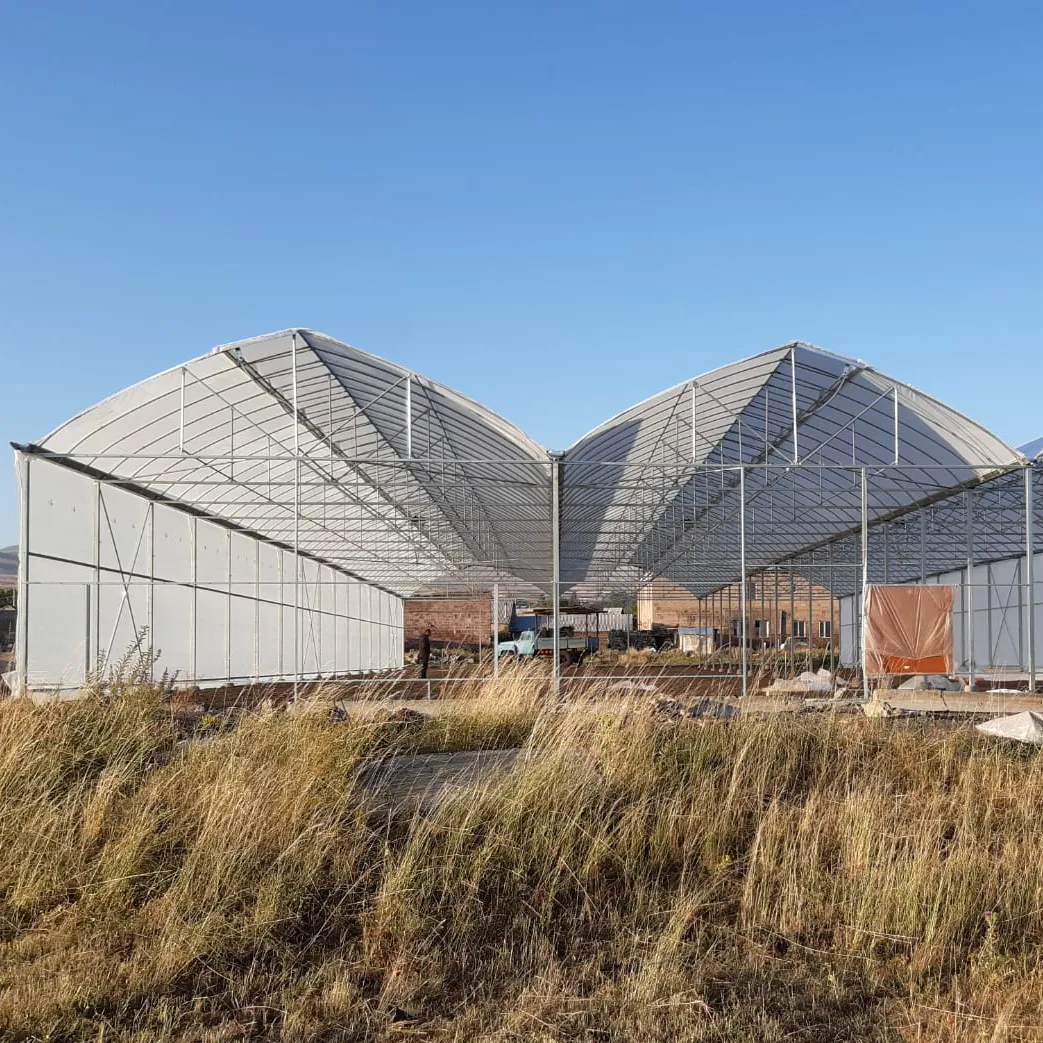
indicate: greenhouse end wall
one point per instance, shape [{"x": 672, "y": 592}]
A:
[{"x": 107, "y": 573}]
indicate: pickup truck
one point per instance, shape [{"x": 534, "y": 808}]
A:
[{"x": 572, "y": 649}]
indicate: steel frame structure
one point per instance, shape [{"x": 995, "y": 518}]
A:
[{"x": 794, "y": 459}]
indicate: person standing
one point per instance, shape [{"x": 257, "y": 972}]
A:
[{"x": 425, "y": 652}]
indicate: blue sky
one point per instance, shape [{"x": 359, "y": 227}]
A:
[{"x": 558, "y": 208}]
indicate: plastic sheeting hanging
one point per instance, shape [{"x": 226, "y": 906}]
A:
[{"x": 908, "y": 629}]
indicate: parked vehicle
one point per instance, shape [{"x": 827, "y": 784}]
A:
[
  {"x": 571, "y": 649},
  {"x": 657, "y": 638}
]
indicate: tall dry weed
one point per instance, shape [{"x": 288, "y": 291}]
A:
[{"x": 775, "y": 878}]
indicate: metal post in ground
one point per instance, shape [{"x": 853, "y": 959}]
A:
[
  {"x": 496, "y": 630},
  {"x": 742, "y": 569},
  {"x": 1030, "y": 580},
  {"x": 296, "y": 524},
  {"x": 555, "y": 545},
  {"x": 22, "y": 608},
  {"x": 865, "y": 581},
  {"x": 968, "y": 595},
  {"x": 832, "y": 608},
  {"x": 811, "y": 612}
]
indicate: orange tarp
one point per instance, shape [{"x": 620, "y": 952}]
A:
[{"x": 908, "y": 629}]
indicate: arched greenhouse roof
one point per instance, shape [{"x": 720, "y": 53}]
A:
[{"x": 409, "y": 484}]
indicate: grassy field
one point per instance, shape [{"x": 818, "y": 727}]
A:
[{"x": 798, "y": 878}]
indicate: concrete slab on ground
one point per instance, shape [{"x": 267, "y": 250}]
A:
[
  {"x": 428, "y": 777},
  {"x": 957, "y": 702}
]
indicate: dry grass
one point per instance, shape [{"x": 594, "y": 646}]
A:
[{"x": 792, "y": 878}]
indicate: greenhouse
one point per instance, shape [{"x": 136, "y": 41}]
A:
[{"x": 260, "y": 512}]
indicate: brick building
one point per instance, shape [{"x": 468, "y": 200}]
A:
[
  {"x": 775, "y": 609},
  {"x": 452, "y": 620}
]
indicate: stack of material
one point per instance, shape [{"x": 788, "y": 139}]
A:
[
  {"x": 1022, "y": 727},
  {"x": 819, "y": 681},
  {"x": 930, "y": 683}
]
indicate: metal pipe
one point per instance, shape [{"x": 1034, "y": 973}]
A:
[
  {"x": 409, "y": 416},
  {"x": 555, "y": 537},
  {"x": 181, "y": 425},
  {"x": 1030, "y": 579},
  {"x": 811, "y": 610},
  {"x": 296, "y": 524},
  {"x": 695, "y": 429},
  {"x": 865, "y": 581},
  {"x": 496, "y": 630},
  {"x": 742, "y": 569},
  {"x": 923, "y": 545},
  {"x": 968, "y": 597},
  {"x": 896, "y": 424},
  {"x": 96, "y": 546},
  {"x": 22, "y": 616},
  {"x": 793, "y": 376},
  {"x": 993, "y": 469},
  {"x": 832, "y": 607},
  {"x": 195, "y": 598}
]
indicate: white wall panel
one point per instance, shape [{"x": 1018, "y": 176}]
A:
[
  {"x": 172, "y": 543},
  {"x": 58, "y": 618},
  {"x": 354, "y": 646},
  {"x": 244, "y": 565},
  {"x": 123, "y": 615},
  {"x": 211, "y": 635},
  {"x": 211, "y": 555},
  {"x": 172, "y": 629},
  {"x": 125, "y": 536},
  {"x": 127, "y": 566},
  {"x": 268, "y": 645},
  {"x": 848, "y": 637},
  {"x": 61, "y": 512},
  {"x": 287, "y": 640},
  {"x": 242, "y": 638},
  {"x": 328, "y": 644}
]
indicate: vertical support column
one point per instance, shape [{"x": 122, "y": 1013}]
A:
[
  {"x": 193, "y": 642},
  {"x": 887, "y": 551},
  {"x": 793, "y": 386},
  {"x": 811, "y": 608},
  {"x": 865, "y": 582},
  {"x": 257, "y": 611},
  {"x": 695, "y": 429},
  {"x": 409, "y": 416},
  {"x": 181, "y": 421},
  {"x": 22, "y": 618},
  {"x": 96, "y": 594},
  {"x": 792, "y": 650},
  {"x": 742, "y": 569},
  {"x": 832, "y": 608},
  {"x": 923, "y": 545},
  {"x": 151, "y": 589},
  {"x": 1030, "y": 580},
  {"x": 496, "y": 630},
  {"x": 764, "y": 613},
  {"x": 968, "y": 594},
  {"x": 555, "y": 553},
  {"x": 228, "y": 605},
  {"x": 894, "y": 392},
  {"x": 296, "y": 525},
  {"x": 775, "y": 622}
]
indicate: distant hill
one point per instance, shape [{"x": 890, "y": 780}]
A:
[{"x": 8, "y": 566}]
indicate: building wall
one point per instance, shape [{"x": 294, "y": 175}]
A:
[
  {"x": 458, "y": 621},
  {"x": 668, "y": 604},
  {"x": 111, "y": 572}
]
